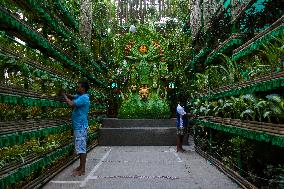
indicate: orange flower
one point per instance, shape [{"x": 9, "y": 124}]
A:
[{"x": 143, "y": 49}]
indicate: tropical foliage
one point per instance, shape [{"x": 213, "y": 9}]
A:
[
  {"x": 245, "y": 107},
  {"x": 136, "y": 108}
]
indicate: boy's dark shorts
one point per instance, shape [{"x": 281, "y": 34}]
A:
[{"x": 182, "y": 131}]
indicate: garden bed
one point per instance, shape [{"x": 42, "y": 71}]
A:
[
  {"x": 254, "y": 125},
  {"x": 268, "y": 82},
  {"x": 51, "y": 172},
  {"x": 266, "y": 132},
  {"x": 36, "y": 64},
  {"x": 233, "y": 41},
  {"x": 227, "y": 171},
  {"x": 255, "y": 43},
  {"x": 16, "y": 172}
]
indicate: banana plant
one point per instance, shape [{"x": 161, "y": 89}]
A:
[
  {"x": 218, "y": 108},
  {"x": 228, "y": 108},
  {"x": 255, "y": 66},
  {"x": 214, "y": 106},
  {"x": 202, "y": 82},
  {"x": 232, "y": 69},
  {"x": 256, "y": 71},
  {"x": 238, "y": 106},
  {"x": 274, "y": 52},
  {"x": 260, "y": 107},
  {"x": 276, "y": 107},
  {"x": 219, "y": 75},
  {"x": 223, "y": 108},
  {"x": 250, "y": 101},
  {"x": 250, "y": 106},
  {"x": 205, "y": 108}
]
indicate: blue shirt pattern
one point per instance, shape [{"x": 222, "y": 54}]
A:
[
  {"x": 80, "y": 112},
  {"x": 184, "y": 119}
]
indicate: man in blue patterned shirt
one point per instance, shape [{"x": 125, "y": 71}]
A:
[{"x": 81, "y": 105}]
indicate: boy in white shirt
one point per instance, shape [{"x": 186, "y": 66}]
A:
[{"x": 181, "y": 124}]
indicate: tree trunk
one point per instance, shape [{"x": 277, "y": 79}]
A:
[
  {"x": 130, "y": 11},
  {"x": 163, "y": 8},
  {"x": 136, "y": 7},
  {"x": 140, "y": 11},
  {"x": 86, "y": 13},
  {"x": 160, "y": 9},
  {"x": 126, "y": 11},
  {"x": 120, "y": 11},
  {"x": 168, "y": 8},
  {"x": 144, "y": 11}
]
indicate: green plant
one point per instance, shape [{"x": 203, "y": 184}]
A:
[
  {"x": 255, "y": 66},
  {"x": 275, "y": 173},
  {"x": 136, "y": 108},
  {"x": 276, "y": 108},
  {"x": 201, "y": 83},
  {"x": 218, "y": 76},
  {"x": 250, "y": 101},
  {"x": 247, "y": 107},
  {"x": 273, "y": 53}
]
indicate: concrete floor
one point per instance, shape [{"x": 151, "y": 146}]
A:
[{"x": 137, "y": 167}]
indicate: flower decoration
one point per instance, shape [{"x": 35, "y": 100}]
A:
[
  {"x": 133, "y": 87},
  {"x": 144, "y": 92},
  {"x": 143, "y": 49},
  {"x": 155, "y": 44}
]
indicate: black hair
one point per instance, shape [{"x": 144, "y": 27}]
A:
[
  {"x": 182, "y": 100},
  {"x": 85, "y": 85}
]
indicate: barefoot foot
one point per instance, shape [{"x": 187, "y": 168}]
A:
[
  {"x": 77, "y": 169},
  {"x": 78, "y": 173}
]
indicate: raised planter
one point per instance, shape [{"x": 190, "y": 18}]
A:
[
  {"x": 261, "y": 131},
  {"x": 128, "y": 123},
  {"x": 46, "y": 160},
  {"x": 246, "y": 84},
  {"x": 218, "y": 119},
  {"x": 236, "y": 122},
  {"x": 40, "y": 181},
  {"x": 138, "y": 132},
  {"x": 273, "y": 128},
  {"x": 254, "y": 125},
  {"x": 226, "y": 120},
  {"x": 37, "y": 64}
]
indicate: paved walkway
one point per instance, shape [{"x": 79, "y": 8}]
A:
[{"x": 143, "y": 167}]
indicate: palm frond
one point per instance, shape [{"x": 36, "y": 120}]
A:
[
  {"x": 249, "y": 97},
  {"x": 247, "y": 112},
  {"x": 276, "y": 109},
  {"x": 267, "y": 114},
  {"x": 274, "y": 98},
  {"x": 261, "y": 104}
]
